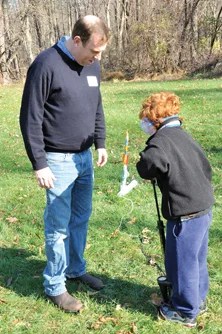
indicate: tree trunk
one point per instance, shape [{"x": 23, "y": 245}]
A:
[
  {"x": 4, "y": 75},
  {"x": 189, "y": 10},
  {"x": 28, "y": 40},
  {"x": 218, "y": 25}
]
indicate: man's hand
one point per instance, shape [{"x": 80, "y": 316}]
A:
[
  {"x": 45, "y": 178},
  {"x": 102, "y": 157}
]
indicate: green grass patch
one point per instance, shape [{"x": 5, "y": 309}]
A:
[{"x": 123, "y": 242}]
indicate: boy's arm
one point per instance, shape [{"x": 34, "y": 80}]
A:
[{"x": 153, "y": 163}]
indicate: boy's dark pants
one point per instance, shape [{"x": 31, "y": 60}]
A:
[{"x": 186, "y": 262}]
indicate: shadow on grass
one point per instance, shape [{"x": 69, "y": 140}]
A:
[
  {"x": 214, "y": 149},
  {"x": 21, "y": 272},
  {"x": 126, "y": 294}
]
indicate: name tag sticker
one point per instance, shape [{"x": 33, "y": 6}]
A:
[{"x": 92, "y": 81}]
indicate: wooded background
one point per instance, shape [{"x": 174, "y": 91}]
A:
[{"x": 148, "y": 36}]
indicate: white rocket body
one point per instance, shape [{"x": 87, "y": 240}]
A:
[{"x": 126, "y": 188}]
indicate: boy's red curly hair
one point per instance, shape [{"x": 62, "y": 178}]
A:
[{"x": 160, "y": 105}]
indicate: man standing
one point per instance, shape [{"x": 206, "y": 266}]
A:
[{"x": 61, "y": 118}]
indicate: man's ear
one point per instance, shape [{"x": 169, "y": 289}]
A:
[{"x": 77, "y": 40}]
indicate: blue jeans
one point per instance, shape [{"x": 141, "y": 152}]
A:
[
  {"x": 68, "y": 208},
  {"x": 186, "y": 262}
]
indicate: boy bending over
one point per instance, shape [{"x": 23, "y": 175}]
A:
[{"x": 183, "y": 175}]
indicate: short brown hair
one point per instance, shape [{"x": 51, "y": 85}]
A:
[
  {"x": 88, "y": 25},
  {"x": 160, "y": 105}
]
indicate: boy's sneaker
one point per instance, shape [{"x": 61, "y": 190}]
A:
[
  {"x": 203, "y": 307},
  {"x": 168, "y": 313}
]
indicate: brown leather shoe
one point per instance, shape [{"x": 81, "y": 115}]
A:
[
  {"x": 66, "y": 302},
  {"x": 92, "y": 281}
]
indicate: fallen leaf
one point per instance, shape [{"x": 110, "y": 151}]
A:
[
  {"x": 145, "y": 240},
  {"x": 12, "y": 219},
  {"x": 2, "y": 301},
  {"x": 92, "y": 293},
  {"x": 152, "y": 262},
  {"x": 200, "y": 326},
  {"x": 103, "y": 320},
  {"x": 155, "y": 299},
  {"x": 145, "y": 236},
  {"x": 16, "y": 239},
  {"x": 9, "y": 281},
  {"x": 132, "y": 221},
  {"x": 145, "y": 230},
  {"x": 115, "y": 233},
  {"x": 107, "y": 319},
  {"x": 134, "y": 328},
  {"x": 40, "y": 250},
  {"x": 118, "y": 307}
]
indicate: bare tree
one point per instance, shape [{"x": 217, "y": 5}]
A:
[
  {"x": 148, "y": 36},
  {"x": 4, "y": 74},
  {"x": 217, "y": 25},
  {"x": 27, "y": 31}
]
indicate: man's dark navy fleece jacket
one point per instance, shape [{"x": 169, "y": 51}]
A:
[
  {"x": 182, "y": 171},
  {"x": 61, "y": 108}
]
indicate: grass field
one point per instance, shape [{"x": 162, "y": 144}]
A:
[{"x": 123, "y": 243}]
